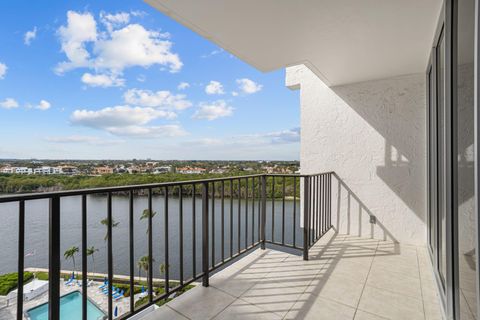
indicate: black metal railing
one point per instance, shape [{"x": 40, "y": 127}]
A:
[{"x": 237, "y": 215}]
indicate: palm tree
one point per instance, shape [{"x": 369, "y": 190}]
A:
[
  {"x": 105, "y": 223},
  {"x": 91, "y": 252},
  {"x": 146, "y": 215},
  {"x": 70, "y": 254},
  {"x": 143, "y": 264}
]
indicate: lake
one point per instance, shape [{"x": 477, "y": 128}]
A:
[{"x": 36, "y": 231}]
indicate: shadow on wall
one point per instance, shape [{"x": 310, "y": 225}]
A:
[
  {"x": 356, "y": 215},
  {"x": 392, "y": 108}
]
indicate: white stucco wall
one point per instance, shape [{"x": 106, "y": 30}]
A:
[{"x": 372, "y": 134}]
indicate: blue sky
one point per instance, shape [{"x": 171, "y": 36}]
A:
[{"x": 119, "y": 80}]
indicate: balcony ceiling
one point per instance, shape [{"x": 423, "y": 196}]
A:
[{"x": 342, "y": 41}]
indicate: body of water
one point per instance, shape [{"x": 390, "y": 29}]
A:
[{"x": 36, "y": 231}]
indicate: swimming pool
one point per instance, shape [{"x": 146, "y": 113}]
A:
[{"x": 70, "y": 309}]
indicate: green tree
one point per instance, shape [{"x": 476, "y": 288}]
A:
[
  {"x": 145, "y": 215},
  {"x": 105, "y": 223},
  {"x": 70, "y": 254},
  {"x": 91, "y": 252},
  {"x": 143, "y": 264}
]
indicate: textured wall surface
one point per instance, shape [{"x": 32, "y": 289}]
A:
[{"x": 372, "y": 134}]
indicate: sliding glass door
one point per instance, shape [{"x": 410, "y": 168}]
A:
[{"x": 452, "y": 215}]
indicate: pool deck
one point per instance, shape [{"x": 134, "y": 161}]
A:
[{"x": 94, "y": 294}]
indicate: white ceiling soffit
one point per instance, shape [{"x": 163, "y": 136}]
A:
[{"x": 342, "y": 41}]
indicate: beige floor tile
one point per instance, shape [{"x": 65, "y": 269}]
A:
[
  {"x": 390, "y": 305},
  {"x": 362, "y": 315},
  {"x": 395, "y": 282},
  {"x": 275, "y": 296},
  {"x": 201, "y": 303},
  {"x": 348, "y": 269},
  {"x": 241, "y": 309},
  {"x": 408, "y": 269},
  {"x": 235, "y": 282},
  {"x": 337, "y": 289},
  {"x": 317, "y": 308},
  {"x": 164, "y": 312},
  {"x": 432, "y": 310}
]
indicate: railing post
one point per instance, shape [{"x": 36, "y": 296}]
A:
[
  {"x": 205, "y": 241},
  {"x": 306, "y": 217},
  {"x": 54, "y": 260},
  {"x": 263, "y": 212}
]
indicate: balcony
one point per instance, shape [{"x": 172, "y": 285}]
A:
[
  {"x": 346, "y": 277},
  {"x": 258, "y": 246}
]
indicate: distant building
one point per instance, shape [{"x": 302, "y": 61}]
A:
[
  {"x": 219, "y": 170},
  {"x": 190, "y": 170},
  {"x": 103, "y": 170},
  {"x": 160, "y": 170},
  {"x": 68, "y": 170},
  {"x": 8, "y": 170},
  {"x": 23, "y": 170}
]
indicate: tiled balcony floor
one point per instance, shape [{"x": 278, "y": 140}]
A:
[{"x": 346, "y": 278}]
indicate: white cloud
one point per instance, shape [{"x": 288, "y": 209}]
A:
[
  {"x": 82, "y": 139},
  {"x": 214, "y": 110},
  {"x": 102, "y": 80},
  {"x": 121, "y": 46},
  {"x": 141, "y": 78},
  {"x": 214, "y": 87},
  {"x": 159, "y": 99},
  {"x": 248, "y": 86},
  {"x": 212, "y": 53},
  {"x": 290, "y": 136},
  {"x": 9, "y": 103},
  {"x": 183, "y": 85},
  {"x": 119, "y": 116},
  {"x": 170, "y": 130},
  {"x": 3, "y": 70},
  {"x": 112, "y": 21},
  {"x": 81, "y": 28},
  {"x": 234, "y": 93},
  {"x": 43, "y": 105},
  {"x": 30, "y": 36}
]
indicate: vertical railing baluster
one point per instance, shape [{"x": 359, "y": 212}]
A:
[
  {"x": 231, "y": 217},
  {"x": 273, "y": 209},
  {"x": 329, "y": 200},
  {"x": 165, "y": 232},
  {"x": 54, "y": 259},
  {"x": 84, "y": 257},
  {"x": 239, "y": 218},
  {"x": 223, "y": 220},
  {"x": 205, "y": 241},
  {"x": 259, "y": 198},
  {"x": 312, "y": 206},
  {"x": 318, "y": 194},
  {"x": 264, "y": 211},
  {"x": 253, "y": 211},
  {"x": 194, "y": 233},
  {"x": 283, "y": 210},
  {"x": 150, "y": 246},
  {"x": 181, "y": 232},
  {"x": 294, "y": 210},
  {"x": 131, "y": 250},
  {"x": 213, "y": 224},
  {"x": 21, "y": 258},
  {"x": 109, "y": 254},
  {"x": 306, "y": 218},
  {"x": 324, "y": 204},
  {"x": 246, "y": 213}
]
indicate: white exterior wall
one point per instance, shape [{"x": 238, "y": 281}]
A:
[{"x": 372, "y": 134}]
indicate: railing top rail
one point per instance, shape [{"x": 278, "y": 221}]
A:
[{"x": 79, "y": 192}]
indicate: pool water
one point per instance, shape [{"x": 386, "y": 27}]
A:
[{"x": 70, "y": 309}]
